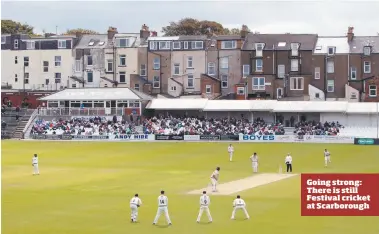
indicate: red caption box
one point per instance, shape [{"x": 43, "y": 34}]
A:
[{"x": 340, "y": 194}]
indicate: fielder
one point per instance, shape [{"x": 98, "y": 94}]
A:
[
  {"x": 254, "y": 161},
  {"x": 162, "y": 208},
  {"x": 204, "y": 203},
  {"x": 327, "y": 157},
  {"x": 239, "y": 204},
  {"x": 214, "y": 179},
  {"x": 135, "y": 203},
  {"x": 35, "y": 165},
  {"x": 288, "y": 161},
  {"x": 230, "y": 151}
]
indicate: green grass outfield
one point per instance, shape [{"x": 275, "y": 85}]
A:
[{"x": 85, "y": 187}]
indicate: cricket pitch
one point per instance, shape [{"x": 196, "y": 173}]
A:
[{"x": 236, "y": 186}]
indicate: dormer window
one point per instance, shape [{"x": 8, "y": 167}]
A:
[
  {"x": 122, "y": 42},
  {"x": 295, "y": 49},
  {"x": 15, "y": 44},
  {"x": 331, "y": 50},
  {"x": 229, "y": 45},
  {"x": 101, "y": 43},
  {"x": 164, "y": 45},
  {"x": 367, "y": 50},
  {"x": 197, "y": 45},
  {"x": 153, "y": 45},
  {"x": 259, "y": 49},
  {"x": 30, "y": 45},
  {"x": 176, "y": 45}
]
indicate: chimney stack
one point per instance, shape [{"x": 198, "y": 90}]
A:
[
  {"x": 244, "y": 31},
  {"x": 112, "y": 31},
  {"x": 350, "y": 34},
  {"x": 144, "y": 33},
  {"x": 154, "y": 33}
]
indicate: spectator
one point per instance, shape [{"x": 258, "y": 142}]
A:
[{"x": 317, "y": 128}]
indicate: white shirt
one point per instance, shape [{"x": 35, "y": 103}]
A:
[
  {"x": 135, "y": 201},
  {"x": 239, "y": 202},
  {"x": 254, "y": 159},
  {"x": 230, "y": 149},
  {"x": 326, "y": 153},
  {"x": 288, "y": 159},
  {"x": 162, "y": 201},
  {"x": 215, "y": 175},
  {"x": 35, "y": 160},
  {"x": 204, "y": 200}
]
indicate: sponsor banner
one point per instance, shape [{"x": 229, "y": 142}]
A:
[
  {"x": 85, "y": 137},
  {"x": 191, "y": 137},
  {"x": 87, "y": 117},
  {"x": 38, "y": 137},
  {"x": 210, "y": 137},
  {"x": 284, "y": 138},
  {"x": 339, "y": 195},
  {"x": 132, "y": 137},
  {"x": 168, "y": 138},
  {"x": 229, "y": 137},
  {"x": 66, "y": 137},
  {"x": 260, "y": 138},
  {"x": 366, "y": 141}
]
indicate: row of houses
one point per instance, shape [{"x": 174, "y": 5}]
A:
[{"x": 246, "y": 66}]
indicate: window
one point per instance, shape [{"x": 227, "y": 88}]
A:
[
  {"x": 245, "y": 70},
  {"x": 45, "y": 66},
  {"x": 317, "y": 73},
  {"x": 3, "y": 39},
  {"x": 73, "y": 86},
  {"x": 122, "y": 77},
  {"x": 157, "y": 63},
  {"x": 294, "y": 65},
  {"x": 136, "y": 87},
  {"x": 294, "y": 49},
  {"x": 353, "y": 95},
  {"x": 15, "y": 44},
  {"x": 331, "y": 50},
  {"x": 186, "y": 45},
  {"x": 122, "y": 42},
  {"x": 282, "y": 44},
  {"x": 190, "y": 81},
  {"x": 367, "y": 50},
  {"x": 176, "y": 68},
  {"x": 30, "y": 45},
  {"x": 15, "y": 60},
  {"x": 259, "y": 49},
  {"x": 89, "y": 77},
  {"x": 224, "y": 81},
  {"x": 281, "y": 71},
  {"x": 122, "y": 60},
  {"x": 224, "y": 63},
  {"x": 15, "y": 78},
  {"x": 176, "y": 45},
  {"x": 279, "y": 93},
  {"x": 353, "y": 73},
  {"x": 26, "y": 78},
  {"x": 330, "y": 67},
  {"x": 156, "y": 82},
  {"x": 258, "y": 83},
  {"x": 196, "y": 45},
  {"x": 258, "y": 65},
  {"x": 164, "y": 45},
  {"x": 101, "y": 43},
  {"x": 173, "y": 88},
  {"x": 208, "y": 89},
  {"x": 153, "y": 45},
  {"x": 189, "y": 62},
  {"x": 297, "y": 83},
  {"x": 240, "y": 90},
  {"x": 77, "y": 65},
  {"x": 110, "y": 65},
  {"x": 211, "y": 69},
  {"x": 143, "y": 70},
  {"x": 367, "y": 67},
  {"x": 57, "y": 61},
  {"x": 372, "y": 90},
  {"x": 57, "y": 77},
  {"x": 228, "y": 45},
  {"x": 62, "y": 44},
  {"x": 330, "y": 86},
  {"x": 26, "y": 61},
  {"x": 47, "y": 81}
]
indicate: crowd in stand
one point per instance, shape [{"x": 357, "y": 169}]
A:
[
  {"x": 213, "y": 126},
  {"x": 84, "y": 126},
  {"x": 317, "y": 128}
]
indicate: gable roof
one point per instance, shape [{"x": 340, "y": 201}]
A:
[
  {"x": 307, "y": 41},
  {"x": 358, "y": 42},
  {"x": 340, "y": 43},
  {"x": 87, "y": 38}
]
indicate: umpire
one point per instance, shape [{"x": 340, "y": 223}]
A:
[{"x": 288, "y": 162}]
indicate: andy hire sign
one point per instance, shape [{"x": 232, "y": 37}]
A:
[
  {"x": 258, "y": 137},
  {"x": 128, "y": 137}
]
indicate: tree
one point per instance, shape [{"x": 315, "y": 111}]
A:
[
  {"x": 236, "y": 31},
  {"x": 14, "y": 27},
  {"x": 79, "y": 30},
  {"x": 190, "y": 26}
]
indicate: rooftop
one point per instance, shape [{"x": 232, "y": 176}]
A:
[{"x": 340, "y": 43}]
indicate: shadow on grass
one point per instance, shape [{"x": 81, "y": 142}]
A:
[{"x": 162, "y": 226}]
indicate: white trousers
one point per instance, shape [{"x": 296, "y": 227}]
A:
[
  {"x": 327, "y": 160},
  {"x": 35, "y": 169},
  {"x": 255, "y": 166},
  {"x": 160, "y": 211},
  {"x": 206, "y": 210},
  {"x": 214, "y": 184},
  {"x": 240, "y": 208},
  {"x": 230, "y": 156},
  {"x": 134, "y": 212}
]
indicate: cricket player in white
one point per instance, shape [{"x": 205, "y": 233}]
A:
[
  {"x": 162, "y": 208},
  {"x": 288, "y": 161},
  {"x": 204, "y": 206},
  {"x": 327, "y": 157},
  {"x": 254, "y": 161},
  {"x": 230, "y": 151},
  {"x": 135, "y": 203},
  {"x": 239, "y": 204},
  {"x": 35, "y": 165},
  {"x": 214, "y": 179}
]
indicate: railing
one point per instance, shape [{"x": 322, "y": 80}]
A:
[
  {"x": 34, "y": 114},
  {"x": 82, "y": 111}
]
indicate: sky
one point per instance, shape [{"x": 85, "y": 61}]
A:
[{"x": 325, "y": 17}]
